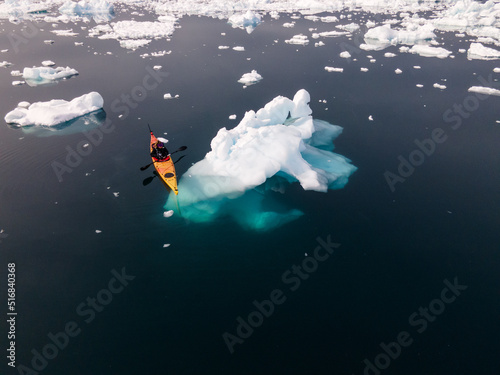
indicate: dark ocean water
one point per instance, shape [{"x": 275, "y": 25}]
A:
[{"x": 388, "y": 280}]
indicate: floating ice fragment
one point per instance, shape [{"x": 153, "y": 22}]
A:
[
  {"x": 232, "y": 117},
  {"x": 438, "y": 86},
  {"x": 248, "y": 21},
  {"x": 250, "y": 78},
  {"x": 480, "y": 52},
  {"x": 332, "y": 69},
  {"x": 98, "y": 231},
  {"x": 55, "y": 111},
  {"x": 345, "y": 55},
  {"x": 299, "y": 39},
  {"x": 370, "y": 118},
  {"x": 5, "y": 64},
  {"x": 169, "y": 96},
  {"x": 168, "y": 213},
  {"x": 223, "y": 47},
  {"x": 239, "y": 48},
  {"x": 428, "y": 51},
  {"x": 484, "y": 90},
  {"x": 398, "y": 71},
  {"x": 116, "y": 194},
  {"x": 166, "y": 245},
  {"x": 37, "y": 76}
]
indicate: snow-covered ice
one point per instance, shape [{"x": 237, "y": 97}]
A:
[
  {"x": 250, "y": 78},
  {"x": 55, "y": 111},
  {"x": 279, "y": 144},
  {"x": 38, "y": 76},
  {"x": 480, "y": 52},
  {"x": 248, "y": 20},
  {"x": 484, "y": 90}
]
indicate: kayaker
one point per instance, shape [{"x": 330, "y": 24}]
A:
[{"x": 160, "y": 152}]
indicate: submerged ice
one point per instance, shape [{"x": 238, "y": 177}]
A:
[{"x": 279, "y": 144}]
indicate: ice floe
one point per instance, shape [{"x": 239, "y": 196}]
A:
[
  {"x": 480, "y": 52},
  {"x": 38, "y": 76},
  {"x": 484, "y": 90},
  {"x": 279, "y": 144},
  {"x": 55, "y": 111},
  {"x": 250, "y": 78}
]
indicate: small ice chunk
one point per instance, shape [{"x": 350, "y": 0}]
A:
[
  {"x": 389, "y": 54},
  {"x": 157, "y": 67},
  {"x": 428, "y": 51},
  {"x": 345, "y": 55},
  {"x": 169, "y": 96},
  {"x": 48, "y": 63},
  {"x": 49, "y": 41},
  {"x": 438, "y": 86},
  {"x": 168, "y": 213},
  {"x": 250, "y": 78},
  {"x": 364, "y": 69},
  {"x": 370, "y": 118},
  {"x": 223, "y": 47},
  {"x": 232, "y": 117},
  {"x": 5, "y": 64},
  {"x": 116, "y": 194},
  {"x": 98, "y": 231},
  {"x": 161, "y": 139},
  {"x": 419, "y": 85},
  {"x": 398, "y": 71},
  {"x": 299, "y": 39},
  {"x": 18, "y": 83},
  {"x": 239, "y": 48},
  {"x": 166, "y": 245},
  {"x": 332, "y": 69},
  {"x": 23, "y": 104}
]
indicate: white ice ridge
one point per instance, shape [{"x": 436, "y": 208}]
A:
[
  {"x": 279, "y": 143},
  {"x": 55, "y": 111},
  {"x": 42, "y": 75}
]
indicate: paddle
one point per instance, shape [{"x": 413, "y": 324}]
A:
[{"x": 182, "y": 148}]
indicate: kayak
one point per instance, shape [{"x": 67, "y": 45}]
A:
[{"x": 165, "y": 168}]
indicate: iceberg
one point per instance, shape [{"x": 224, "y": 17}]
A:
[
  {"x": 55, "y": 111},
  {"x": 39, "y": 76},
  {"x": 279, "y": 144}
]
